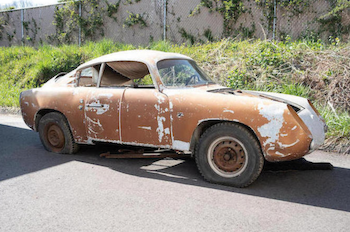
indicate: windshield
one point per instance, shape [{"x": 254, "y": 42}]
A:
[{"x": 181, "y": 73}]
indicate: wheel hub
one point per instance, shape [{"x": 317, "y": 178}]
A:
[
  {"x": 55, "y": 136},
  {"x": 229, "y": 156}
]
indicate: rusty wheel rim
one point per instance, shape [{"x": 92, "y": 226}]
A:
[
  {"x": 55, "y": 137},
  {"x": 227, "y": 157}
]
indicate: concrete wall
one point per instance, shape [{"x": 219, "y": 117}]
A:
[
  {"x": 37, "y": 25},
  {"x": 38, "y": 22},
  {"x": 152, "y": 13}
]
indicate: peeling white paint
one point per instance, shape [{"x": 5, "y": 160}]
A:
[
  {"x": 89, "y": 141},
  {"x": 92, "y": 131},
  {"x": 160, "y": 129},
  {"x": 157, "y": 107},
  {"x": 102, "y": 110},
  {"x": 314, "y": 122},
  {"x": 273, "y": 113},
  {"x": 180, "y": 145},
  {"x": 107, "y": 95},
  {"x": 96, "y": 123},
  {"x": 161, "y": 87},
  {"x": 167, "y": 131},
  {"x": 161, "y": 99},
  {"x": 145, "y": 127},
  {"x": 295, "y": 127},
  {"x": 280, "y": 154},
  {"x": 171, "y": 128},
  {"x": 288, "y": 145},
  {"x": 228, "y": 111}
]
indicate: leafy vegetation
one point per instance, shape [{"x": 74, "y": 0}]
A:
[
  {"x": 305, "y": 68},
  {"x": 134, "y": 19}
]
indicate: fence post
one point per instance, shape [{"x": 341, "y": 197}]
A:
[
  {"x": 164, "y": 19},
  {"x": 79, "y": 36},
  {"x": 274, "y": 19},
  {"x": 22, "y": 26}
]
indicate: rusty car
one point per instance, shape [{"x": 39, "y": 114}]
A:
[{"x": 164, "y": 100}]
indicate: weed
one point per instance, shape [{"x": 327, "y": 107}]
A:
[{"x": 134, "y": 19}]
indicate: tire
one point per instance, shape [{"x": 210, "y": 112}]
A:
[
  {"x": 229, "y": 154},
  {"x": 55, "y": 134}
]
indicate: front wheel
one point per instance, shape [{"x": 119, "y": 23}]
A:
[
  {"x": 55, "y": 134},
  {"x": 229, "y": 154}
]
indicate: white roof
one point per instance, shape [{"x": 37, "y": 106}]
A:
[{"x": 149, "y": 57}]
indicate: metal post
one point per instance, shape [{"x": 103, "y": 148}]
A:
[
  {"x": 164, "y": 20},
  {"x": 274, "y": 19},
  {"x": 79, "y": 24},
  {"x": 22, "y": 26}
]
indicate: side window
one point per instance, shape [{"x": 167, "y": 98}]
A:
[
  {"x": 145, "y": 82},
  {"x": 126, "y": 73},
  {"x": 112, "y": 78},
  {"x": 89, "y": 77}
]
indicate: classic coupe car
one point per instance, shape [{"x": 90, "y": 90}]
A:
[{"x": 164, "y": 100}]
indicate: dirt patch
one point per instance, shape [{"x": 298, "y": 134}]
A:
[
  {"x": 338, "y": 145},
  {"x": 10, "y": 110}
]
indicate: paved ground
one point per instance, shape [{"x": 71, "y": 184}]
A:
[{"x": 42, "y": 191}]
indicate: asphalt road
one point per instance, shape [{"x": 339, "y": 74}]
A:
[{"x": 42, "y": 191}]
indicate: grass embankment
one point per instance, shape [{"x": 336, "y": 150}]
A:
[{"x": 309, "y": 69}]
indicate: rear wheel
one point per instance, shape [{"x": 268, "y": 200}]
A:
[
  {"x": 229, "y": 154},
  {"x": 55, "y": 134}
]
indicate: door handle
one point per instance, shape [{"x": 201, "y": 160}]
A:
[{"x": 95, "y": 105}]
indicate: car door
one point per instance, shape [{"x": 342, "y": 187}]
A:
[
  {"x": 145, "y": 118},
  {"x": 102, "y": 107},
  {"x": 118, "y": 110},
  {"x": 102, "y": 114}
]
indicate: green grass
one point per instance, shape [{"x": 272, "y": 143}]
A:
[
  {"x": 9, "y": 95},
  {"x": 338, "y": 123},
  {"x": 302, "y": 68}
]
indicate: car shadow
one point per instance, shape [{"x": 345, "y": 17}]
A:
[{"x": 22, "y": 153}]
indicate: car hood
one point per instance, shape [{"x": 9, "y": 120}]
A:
[{"x": 298, "y": 103}]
